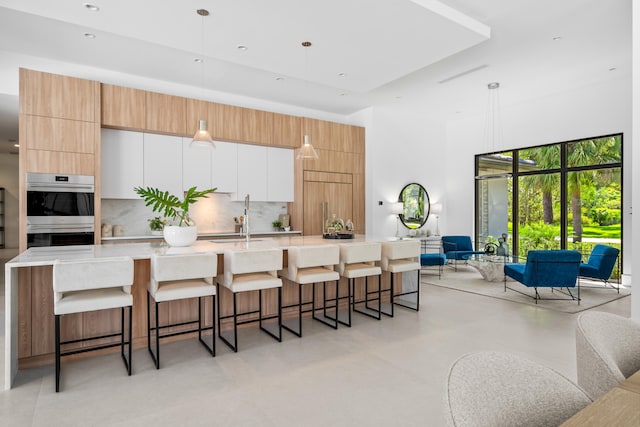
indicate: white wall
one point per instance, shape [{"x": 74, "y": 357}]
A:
[
  {"x": 9, "y": 180},
  {"x": 403, "y": 146},
  {"x": 635, "y": 155}
]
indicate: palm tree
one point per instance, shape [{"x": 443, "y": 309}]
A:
[
  {"x": 546, "y": 158},
  {"x": 582, "y": 153}
]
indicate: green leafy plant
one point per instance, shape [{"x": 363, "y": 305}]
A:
[
  {"x": 276, "y": 224},
  {"x": 157, "y": 223},
  {"x": 170, "y": 205}
]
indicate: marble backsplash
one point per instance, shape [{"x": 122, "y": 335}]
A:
[{"x": 213, "y": 214}]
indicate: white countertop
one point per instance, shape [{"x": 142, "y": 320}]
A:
[{"x": 47, "y": 255}]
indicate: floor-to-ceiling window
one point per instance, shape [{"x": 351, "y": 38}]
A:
[{"x": 556, "y": 196}]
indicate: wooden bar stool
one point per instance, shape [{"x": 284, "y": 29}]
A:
[
  {"x": 176, "y": 277},
  {"x": 359, "y": 260},
  {"x": 311, "y": 265},
  {"x": 401, "y": 256},
  {"x": 250, "y": 270},
  {"x": 89, "y": 285}
]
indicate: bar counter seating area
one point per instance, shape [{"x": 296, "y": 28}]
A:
[{"x": 167, "y": 289}]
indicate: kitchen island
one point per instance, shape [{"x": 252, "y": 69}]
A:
[{"x": 36, "y": 317}]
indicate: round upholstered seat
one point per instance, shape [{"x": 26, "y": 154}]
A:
[
  {"x": 607, "y": 351},
  {"x": 489, "y": 389}
]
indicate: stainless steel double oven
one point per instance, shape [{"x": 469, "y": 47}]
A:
[{"x": 60, "y": 209}]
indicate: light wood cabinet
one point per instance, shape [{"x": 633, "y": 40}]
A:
[
  {"x": 257, "y": 126},
  {"x": 358, "y": 136},
  {"x": 228, "y": 122},
  {"x": 123, "y": 107},
  {"x": 53, "y": 134},
  {"x": 358, "y": 203},
  {"x": 59, "y": 162},
  {"x": 338, "y": 198},
  {"x": 196, "y": 110},
  {"x": 122, "y": 164},
  {"x": 321, "y": 133},
  {"x": 286, "y": 131},
  {"x": 165, "y": 114},
  {"x": 63, "y": 97},
  {"x": 163, "y": 163}
]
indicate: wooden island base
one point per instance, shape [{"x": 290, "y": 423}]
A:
[{"x": 36, "y": 319}]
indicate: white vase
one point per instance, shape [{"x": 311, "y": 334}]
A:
[{"x": 180, "y": 236}]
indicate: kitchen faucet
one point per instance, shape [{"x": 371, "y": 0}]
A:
[{"x": 246, "y": 218}]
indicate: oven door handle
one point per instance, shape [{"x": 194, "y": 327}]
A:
[
  {"x": 59, "y": 228},
  {"x": 66, "y": 188}
]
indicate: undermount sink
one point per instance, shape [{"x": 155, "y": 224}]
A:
[{"x": 239, "y": 240}]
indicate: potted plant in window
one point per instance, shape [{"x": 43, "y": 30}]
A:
[{"x": 181, "y": 230}]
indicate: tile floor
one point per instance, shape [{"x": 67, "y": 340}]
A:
[{"x": 377, "y": 373}]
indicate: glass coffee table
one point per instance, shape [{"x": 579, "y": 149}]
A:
[{"x": 491, "y": 267}]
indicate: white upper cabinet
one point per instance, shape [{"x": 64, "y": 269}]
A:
[
  {"x": 196, "y": 166},
  {"x": 224, "y": 173},
  {"x": 252, "y": 172},
  {"x": 136, "y": 159},
  {"x": 121, "y": 163},
  {"x": 163, "y": 163},
  {"x": 279, "y": 174}
]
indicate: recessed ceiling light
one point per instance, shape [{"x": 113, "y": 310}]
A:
[
  {"x": 556, "y": 38},
  {"x": 90, "y": 35},
  {"x": 344, "y": 94},
  {"x": 198, "y": 60},
  {"x": 612, "y": 69},
  {"x": 342, "y": 74},
  {"x": 242, "y": 47},
  {"x": 279, "y": 79},
  {"x": 16, "y": 145},
  {"x": 92, "y": 7}
]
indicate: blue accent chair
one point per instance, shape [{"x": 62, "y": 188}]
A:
[
  {"x": 431, "y": 260},
  {"x": 458, "y": 248},
  {"x": 547, "y": 268},
  {"x": 600, "y": 264}
]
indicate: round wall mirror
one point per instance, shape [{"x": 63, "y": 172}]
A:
[{"x": 416, "y": 205}]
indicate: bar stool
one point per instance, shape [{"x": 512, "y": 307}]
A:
[
  {"x": 359, "y": 260},
  {"x": 401, "y": 256},
  {"x": 311, "y": 265},
  {"x": 90, "y": 285},
  {"x": 176, "y": 277},
  {"x": 250, "y": 270}
]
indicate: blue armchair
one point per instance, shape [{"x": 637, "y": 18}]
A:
[
  {"x": 547, "y": 268},
  {"x": 600, "y": 264},
  {"x": 458, "y": 248}
]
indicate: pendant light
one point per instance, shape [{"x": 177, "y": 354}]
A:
[
  {"x": 202, "y": 137},
  {"x": 493, "y": 129},
  {"x": 306, "y": 151}
]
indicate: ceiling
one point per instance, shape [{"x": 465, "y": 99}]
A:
[{"x": 438, "y": 55}]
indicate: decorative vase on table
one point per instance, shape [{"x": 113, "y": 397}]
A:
[{"x": 182, "y": 234}]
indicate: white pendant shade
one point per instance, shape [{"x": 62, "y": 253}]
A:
[
  {"x": 202, "y": 138},
  {"x": 307, "y": 151}
]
